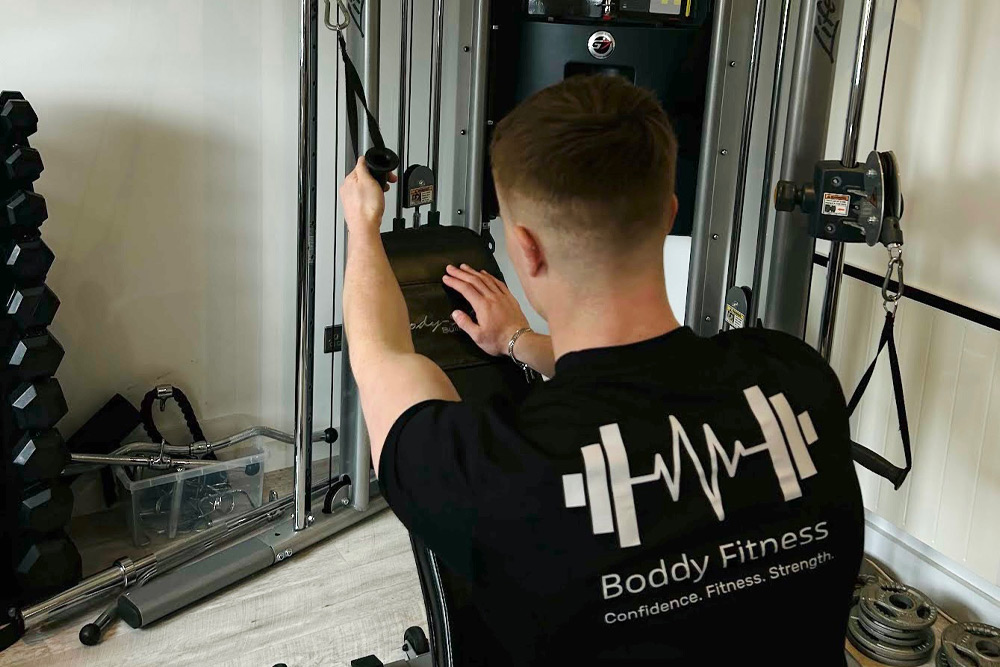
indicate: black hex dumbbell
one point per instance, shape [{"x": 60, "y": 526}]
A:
[
  {"x": 38, "y": 405},
  {"x": 18, "y": 120},
  {"x": 24, "y": 212},
  {"x": 40, "y": 456},
  {"x": 34, "y": 355},
  {"x": 28, "y": 307},
  {"x": 26, "y": 260},
  {"x": 46, "y": 565},
  {"x": 45, "y": 507},
  {"x": 21, "y": 165}
]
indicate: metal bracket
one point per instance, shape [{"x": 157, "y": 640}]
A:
[
  {"x": 164, "y": 392},
  {"x": 333, "y": 339}
]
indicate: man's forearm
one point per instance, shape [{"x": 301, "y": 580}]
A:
[
  {"x": 375, "y": 317},
  {"x": 535, "y": 349}
]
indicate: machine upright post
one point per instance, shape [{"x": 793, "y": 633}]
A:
[
  {"x": 405, "y": 48},
  {"x": 355, "y": 448},
  {"x": 702, "y": 272},
  {"x": 306, "y": 264},
  {"x": 772, "y": 139},
  {"x": 477, "y": 115},
  {"x": 855, "y": 105},
  {"x": 434, "y": 136},
  {"x": 746, "y": 134},
  {"x": 809, "y": 96}
]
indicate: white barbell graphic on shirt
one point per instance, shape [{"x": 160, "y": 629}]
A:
[{"x": 608, "y": 462}]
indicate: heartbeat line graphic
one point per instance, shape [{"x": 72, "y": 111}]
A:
[
  {"x": 608, "y": 462},
  {"x": 715, "y": 452}
]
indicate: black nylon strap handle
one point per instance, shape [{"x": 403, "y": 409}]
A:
[
  {"x": 861, "y": 454},
  {"x": 356, "y": 92},
  {"x": 380, "y": 160}
]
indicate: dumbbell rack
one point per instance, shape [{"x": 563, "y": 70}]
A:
[{"x": 38, "y": 556}]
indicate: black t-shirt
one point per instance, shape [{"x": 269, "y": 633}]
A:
[{"x": 676, "y": 501}]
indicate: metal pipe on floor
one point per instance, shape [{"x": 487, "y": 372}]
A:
[
  {"x": 852, "y": 130},
  {"x": 91, "y": 588},
  {"x": 125, "y": 572},
  {"x": 141, "y": 606}
]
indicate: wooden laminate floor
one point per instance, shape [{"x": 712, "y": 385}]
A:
[{"x": 349, "y": 596}]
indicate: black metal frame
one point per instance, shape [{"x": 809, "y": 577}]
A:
[{"x": 912, "y": 293}]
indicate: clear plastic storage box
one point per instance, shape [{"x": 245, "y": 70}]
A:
[{"x": 165, "y": 505}]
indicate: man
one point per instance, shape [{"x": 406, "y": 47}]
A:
[{"x": 663, "y": 498}]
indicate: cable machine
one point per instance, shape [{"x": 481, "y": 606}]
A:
[
  {"x": 710, "y": 51},
  {"x": 663, "y": 47}
]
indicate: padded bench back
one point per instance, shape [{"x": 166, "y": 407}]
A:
[{"x": 418, "y": 258}]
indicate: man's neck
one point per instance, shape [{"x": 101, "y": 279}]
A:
[{"x": 627, "y": 313}]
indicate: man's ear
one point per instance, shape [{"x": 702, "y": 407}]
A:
[
  {"x": 672, "y": 212},
  {"x": 530, "y": 248}
]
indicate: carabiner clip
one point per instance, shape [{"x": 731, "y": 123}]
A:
[
  {"x": 344, "y": 24},
  {"x": 889, "y": 298}
]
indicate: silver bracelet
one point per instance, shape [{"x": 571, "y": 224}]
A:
[{"x": 510, "y": 347}]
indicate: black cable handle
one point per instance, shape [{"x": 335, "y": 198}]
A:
[
  {"x": 380, "y": 159},
  {"x": 146, "y": 413},
  {"x": 861, "y": 454}
]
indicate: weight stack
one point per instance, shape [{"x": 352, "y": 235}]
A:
[{"x": 37, "y": 555}]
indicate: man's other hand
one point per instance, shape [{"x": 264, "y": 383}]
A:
[
  {"x": 364, "y": 200},
  {"x": 498, "y": 313}
]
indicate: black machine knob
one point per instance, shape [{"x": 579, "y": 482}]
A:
[
  {"x": 787, "y": 195},
  {"x": 380, "y": 162}
]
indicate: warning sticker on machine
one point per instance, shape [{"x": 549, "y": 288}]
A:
[
  {"x": 421, "y": 195},
  {"x": 734, "y": 317},
  {"x": 836, "y": 204}
]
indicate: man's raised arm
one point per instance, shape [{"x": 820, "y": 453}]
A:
[{"x": 391, "y": 376}]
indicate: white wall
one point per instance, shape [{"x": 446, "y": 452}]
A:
[
  {"x": 169, "y": 134},
  {"x": 939, "y": 117},
  {"x": 168, "y": 130}
]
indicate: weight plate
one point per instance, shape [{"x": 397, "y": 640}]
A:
[
  {"x": 862, "y": 581},
  {"x": 897, "y": 607},
  {"x": 882, "y": 660},
  {"x": 971, "y": 645},
  {"x": 942, "y": 660},
  {"x": 881, "y": 630},
  {"x": 890, "y": 655}
]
